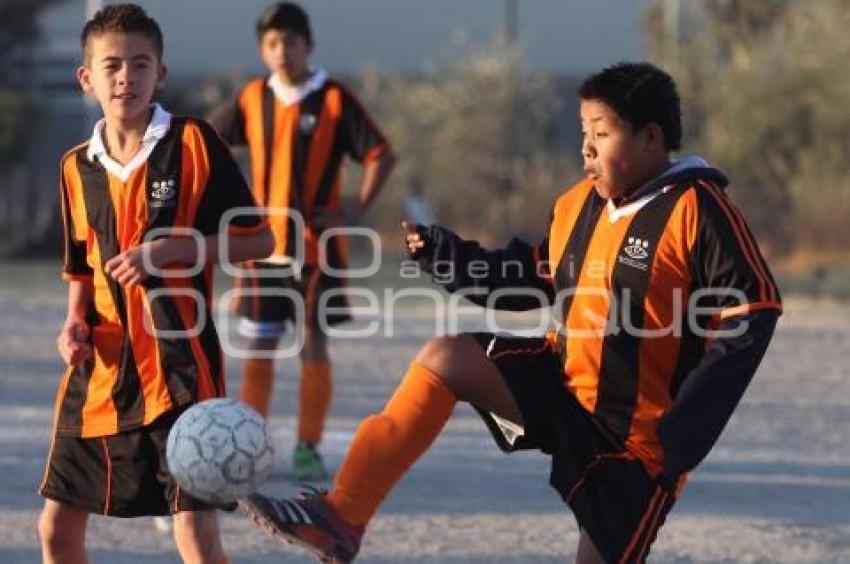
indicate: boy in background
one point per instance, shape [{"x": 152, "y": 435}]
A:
[
  {"x": 299, "y": 125},
  {"x": 139, "y": 347}
]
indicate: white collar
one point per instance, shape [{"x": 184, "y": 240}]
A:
[
  {"x": 157, "y": 129},
  {"x": 615, "y": 213},
  {"x": 290, "y": 94}
]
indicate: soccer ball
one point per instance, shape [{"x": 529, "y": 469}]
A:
[{"x": 219, "y": 450}]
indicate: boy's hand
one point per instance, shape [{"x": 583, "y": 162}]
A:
[
  {"x": 73, "y": 342},
  {"x": 129, "y": 267},
  {"x": 413, "y": 238}
]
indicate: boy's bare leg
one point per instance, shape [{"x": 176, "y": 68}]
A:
[
  {"x": 464, "y": 368},
  {"x": 587, "y": 553},
  {"x": 62, "y": 533},
  {"x": 258, "y": 375},
  {"x": 315, "y": 345},
  {"x": 197, "y": 536}
]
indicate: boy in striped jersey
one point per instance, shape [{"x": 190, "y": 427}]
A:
[
  {"x": 138, "y": 340},
  {"x": 665, "y": 308},
  {"x": 299, "y": 125}
]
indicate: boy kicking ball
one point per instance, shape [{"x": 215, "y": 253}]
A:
[{"x": 665, "y": 306}]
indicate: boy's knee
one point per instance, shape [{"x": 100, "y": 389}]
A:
[
  {"x": 438, "y": 354},
  {"x": 454, "y": 360},
  {"x": 262, "y": 344},
  {"x": 315, "y": 346}
]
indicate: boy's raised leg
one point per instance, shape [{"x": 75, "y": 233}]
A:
[{"x": 385, "y": 446}]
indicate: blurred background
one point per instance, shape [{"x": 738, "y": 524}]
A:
[{"x": 479, "y": 99}]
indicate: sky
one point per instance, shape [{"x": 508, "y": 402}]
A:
[{"x": 396, "y": 35}]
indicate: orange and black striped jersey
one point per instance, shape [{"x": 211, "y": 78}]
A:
[
  {"x": 636, "y": 287},
  {"x": 297, "y": 151},
  {"x": 639, "y": 274},
  {"x": 155, "y": 346}
]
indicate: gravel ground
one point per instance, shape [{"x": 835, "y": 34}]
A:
[{"x": 775, "y": 489}]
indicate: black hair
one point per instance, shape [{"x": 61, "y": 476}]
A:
[
  {"x": 285, "y": 16},
  {"x": 640, "y": 93}
]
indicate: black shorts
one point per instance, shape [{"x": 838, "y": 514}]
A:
[
  {"x": 267, "y": 304},
  {"x": 122, "y": 475},
  {"x": 614, "y": 499}
]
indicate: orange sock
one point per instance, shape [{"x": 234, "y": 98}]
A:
[
  {"x": 386, "y": 445},
  {"x": 257, "y": 380},
  {"x": 316, "y": 393}
]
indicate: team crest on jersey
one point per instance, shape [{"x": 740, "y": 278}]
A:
[
  {"x": 307, "y": 123},
  {"x": 636, "y": 252},
  {"x": 163, "y": 193}
]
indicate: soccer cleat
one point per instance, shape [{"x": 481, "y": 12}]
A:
[
  {"x": 307, "y": 465},
  {"x": 306, "y": 521}
]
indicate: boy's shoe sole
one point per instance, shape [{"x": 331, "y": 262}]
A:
[{"x": 305, "y": 522}]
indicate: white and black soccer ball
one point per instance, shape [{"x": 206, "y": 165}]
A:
[{"x": 219, "y": 450}]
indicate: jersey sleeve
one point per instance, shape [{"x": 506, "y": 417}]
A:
[
  {"x": 731, "y": 274},
  {"x": 514, "y": 278},
  {"x": 228, "y": 120},
  {"x": 362, "y": 139},
  {"x": 226, "y": 190},
  {"x": 712, "y": 390},
  {"x": 75, "y": 265}
]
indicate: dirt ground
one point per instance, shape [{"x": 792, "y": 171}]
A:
[{"x": 775, "y": 489}]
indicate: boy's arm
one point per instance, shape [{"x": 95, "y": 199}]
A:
[
  {"x": 712, "y": 390},
  {"x": 364, "y": 142},
  {"x": 131, "y": 267},
  {"x": 736, "y": 286},
  {"x": 245, "y": 235},
  {"x": 240, "y": 246},
  {"x": 518, "y": 271},
  {"x": 228, "y": 119},
  {"x": 73, "y": 340},
  {"x": 375, "y": 174}
]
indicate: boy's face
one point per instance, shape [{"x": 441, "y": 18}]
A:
[
  {"x": 286, "y": 53},
  {"x": 122, "y": 72},
  {"x": 616, "y": 157}
]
